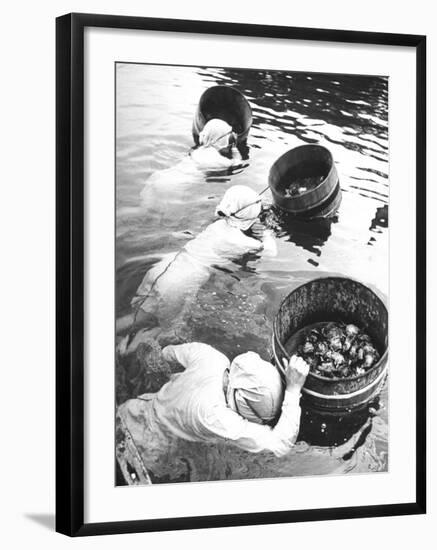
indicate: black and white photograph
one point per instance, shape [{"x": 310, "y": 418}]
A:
[
  {"x": 251, "y": 274},
  {"x": 222, "y": 211}
]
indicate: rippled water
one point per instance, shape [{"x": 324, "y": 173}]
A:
[{"x": 235, "y": 308}]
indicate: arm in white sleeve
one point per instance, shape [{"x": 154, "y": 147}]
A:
[
  {"x": 236, "y": 155},
  {"x": 194, "y": 354},
  {"x": 254, "y": 437},
  {"x": 246, "y": 244},
  {"x": 269, "y": 244}
]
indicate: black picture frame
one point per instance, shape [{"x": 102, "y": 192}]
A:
[{"x": 70, "y": 273}]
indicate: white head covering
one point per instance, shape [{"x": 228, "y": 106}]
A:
[
  {"x": 215, "y": 134},
  {"x": 241, "y": 205},
  {"x": 255, "y": 388}
]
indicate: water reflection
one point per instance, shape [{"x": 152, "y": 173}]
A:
[
  {"x": 381, "y": 218},
  {"x": 243, "y": 149},
  {"x": 310, "y": 235},
  {"x": 224, "y": 175},
  {"x": 333, "y": 429},
  {"x": 379, "y": 223},
  {"x": 357, "y": 104}
]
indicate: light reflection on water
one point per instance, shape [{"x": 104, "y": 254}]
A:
[{"x": 234, "y": 310}]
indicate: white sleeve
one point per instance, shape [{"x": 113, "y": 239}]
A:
[
  {"x": 269, "y": 244},
  {"x": 254, "y": 437},
  {"x": 193, "y": 354},
  {"x": 249, "y": 244},
  {"x": 236, "y": 155}
]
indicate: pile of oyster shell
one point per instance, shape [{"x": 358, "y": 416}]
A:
[
  {"x": 337, "y": 350},
  {"x": 302, "y": 185}
]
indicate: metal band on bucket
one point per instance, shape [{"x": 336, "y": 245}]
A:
[
  {"x": 347, "y": 395},
  {"x": 337, "y": 396}
]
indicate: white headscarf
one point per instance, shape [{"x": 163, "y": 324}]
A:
[
  {"x": 255, "y": 389},
  {"x": 241, "y": 205},
  {"x": 215, "y": 134}
]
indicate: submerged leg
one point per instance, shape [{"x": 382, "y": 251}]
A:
[
  {"x": 122, "y": 324},
  {"x": 134, "y": 321}
]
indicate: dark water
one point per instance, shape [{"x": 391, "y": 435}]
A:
[{"x": 235, "y": 308}]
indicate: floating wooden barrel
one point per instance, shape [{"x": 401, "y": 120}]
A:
[
  {"x": 335, "y": 299},
  {"x": 306, "y": 162},
  {"x": 225, "y": 103}
]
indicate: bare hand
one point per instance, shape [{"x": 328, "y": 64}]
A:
[{"x": 296, "y": 372}]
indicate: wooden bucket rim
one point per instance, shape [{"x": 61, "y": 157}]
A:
[
  {"x": 223, "y": 86},
  {"x": 314, "y": 375},
  {"x": 310, "y": 191}
]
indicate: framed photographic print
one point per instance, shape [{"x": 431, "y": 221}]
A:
[{"x": 240, "y": 274}]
